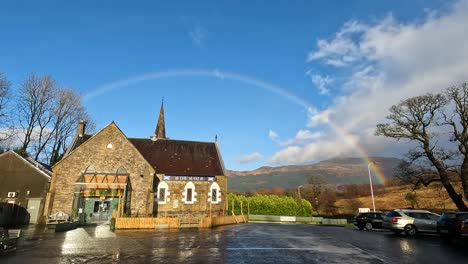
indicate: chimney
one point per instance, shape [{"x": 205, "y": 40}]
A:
[{"x": 81, "y": 128}]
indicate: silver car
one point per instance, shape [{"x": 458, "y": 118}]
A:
[{"x": 410, "y": 221}]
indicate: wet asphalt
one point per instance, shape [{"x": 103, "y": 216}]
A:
[{"x": 244, "y": 243}]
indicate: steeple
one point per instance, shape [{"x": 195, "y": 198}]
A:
[{"x": 160, "y": 131}]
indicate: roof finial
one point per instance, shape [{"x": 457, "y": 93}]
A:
[
  {"x": 160, "y": 131},
  {"x": 216, "y": 138}
]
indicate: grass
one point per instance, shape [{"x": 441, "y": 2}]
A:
[{"x": 433, "y": 197}]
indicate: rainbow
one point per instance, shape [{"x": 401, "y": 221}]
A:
[
  {"x": 377, "y": 171},
  {"x": 216, "y": 73}
]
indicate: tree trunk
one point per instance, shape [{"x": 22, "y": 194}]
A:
[
  {"x": 464, "y": 176},
  {"x": 456, "y": 198}
]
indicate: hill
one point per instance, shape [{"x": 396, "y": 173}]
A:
[
  {"x": 433, "y": 198},
  {"x": 336, "y": 171}
]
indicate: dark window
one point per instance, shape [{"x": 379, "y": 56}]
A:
[
  {"x": 393, "y": 214},
  {"x": 214, "y": 195},
  {"x": 96, "y": 206},
  {"x": 448, "y": 216},
  {"x": 417, "y": 215},
  {"x": 462, "y": 217},
  {"x": 189, "y": 195},
  {"x": 162, "y": 194},
  {"x": 433, "y": 217}
]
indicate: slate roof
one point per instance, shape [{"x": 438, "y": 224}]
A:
[
  {"x": 180, "y": 157},
  {"x": 77, "y": 141}
]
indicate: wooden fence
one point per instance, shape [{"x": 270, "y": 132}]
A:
[
  {"x": 180, "y": 221},
  {"x": 146, "y": 222},
  {"x": 176, "y": 222}
]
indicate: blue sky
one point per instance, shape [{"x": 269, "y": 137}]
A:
[{"x": 279, "y": 82}]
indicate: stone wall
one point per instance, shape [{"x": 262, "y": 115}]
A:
[
  {"x": 175, "y": 205},
  {"x": 107, "y": 151}
]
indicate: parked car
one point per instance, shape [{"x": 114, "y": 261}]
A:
[
  {"x": 368, "y": 220},
  {"x": 411, "y": 221},
  {"x": 464, "y": 228},
  {"x": 8, "y": 240},
  {"x": 453, "y": 224}
]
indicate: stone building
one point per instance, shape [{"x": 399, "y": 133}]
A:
[
  {"x": 157, "y": 176},
  {"x": 24, "y": 182}
]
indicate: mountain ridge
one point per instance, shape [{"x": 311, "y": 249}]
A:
[{"x": 349, "y": 170}]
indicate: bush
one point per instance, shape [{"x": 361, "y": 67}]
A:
[{"x": 270, "y": 205}]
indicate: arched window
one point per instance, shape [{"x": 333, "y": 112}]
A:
[
  {"x": 121, "y": 171},
  {"x": 90, "y": 169},
  {"x": 214, "y": 196},
  {"x": 189, "y": 196},
  {"x": 163, "y": 193}
]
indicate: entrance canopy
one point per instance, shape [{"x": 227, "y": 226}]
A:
[{"x": 103, "y": 181}]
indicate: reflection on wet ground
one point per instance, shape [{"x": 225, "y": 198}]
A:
[{"x": 247, "y": 243}]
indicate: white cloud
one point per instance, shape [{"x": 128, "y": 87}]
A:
[
  {"x": 322, "y": 83},
  {"x": 341, "y": 50},
  {"x": 387, "y": 61},
  {"x": 273, "y": 135},
  {"x": 198, "y": 35},
  {"x": 316, "y": 118},
  {"x": 250, "y": 157},
  {"x": 302, "y": 137}
]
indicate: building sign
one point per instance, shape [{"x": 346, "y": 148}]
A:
[{"x": 189, "y": 178}]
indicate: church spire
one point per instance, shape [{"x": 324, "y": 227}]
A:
[{"x": 161, "y": 126}]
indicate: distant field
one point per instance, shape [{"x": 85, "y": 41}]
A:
[{"x": 433, "y": 197}]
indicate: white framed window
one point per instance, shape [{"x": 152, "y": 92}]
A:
[
  {"x": 189, "y": 196},
  {"x": 163, "y": 193},
  {"x": 214, "y": 195}
]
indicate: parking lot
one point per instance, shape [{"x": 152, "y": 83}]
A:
[{"x": 245, "y": 243}]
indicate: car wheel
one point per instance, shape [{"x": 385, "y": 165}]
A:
[
  {"x": 410, "y": 230},
  {"x": 369, "y": 226}
]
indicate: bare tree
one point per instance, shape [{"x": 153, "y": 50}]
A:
[
  {"x": 458, "y": 121},
  {"x": 418, "y": 119},
  {"x": 5, "y": 121},
  {"x": 35, "y": 103},
  {"x": 48, "y": 115},
  {"x": 68, "y": 111},
  {"x": 315, "y": 186},
  {"x": 327, "y": 201}
]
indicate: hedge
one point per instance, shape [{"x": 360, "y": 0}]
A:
[{"x": 270, "y": 205}]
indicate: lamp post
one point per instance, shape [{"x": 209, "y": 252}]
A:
[
  {"x": 299, "y": 191},
  {"x": 370, "y": 182}
]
